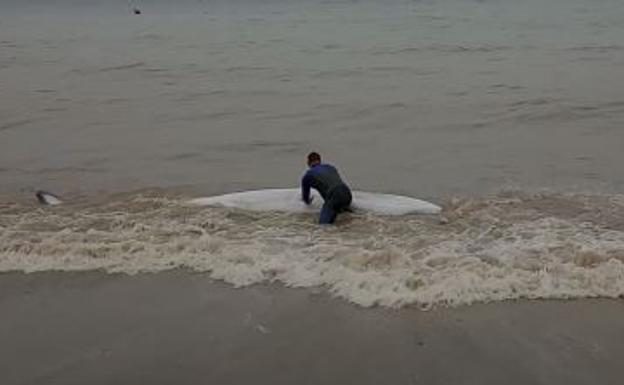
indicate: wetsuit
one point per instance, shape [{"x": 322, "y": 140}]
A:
[{"x": 336, "y": 194}]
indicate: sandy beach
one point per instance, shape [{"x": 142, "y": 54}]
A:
[{"x": 183, "y": 328}]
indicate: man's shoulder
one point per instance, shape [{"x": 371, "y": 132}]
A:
[{"x": 318, "y": 170}]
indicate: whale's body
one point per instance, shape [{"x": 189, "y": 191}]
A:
[{"x": 290, "y": 200}]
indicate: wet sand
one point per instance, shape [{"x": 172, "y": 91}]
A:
[{"x": 183, "y": 328}]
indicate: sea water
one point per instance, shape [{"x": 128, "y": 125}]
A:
[{"x": 509, "y": 114}]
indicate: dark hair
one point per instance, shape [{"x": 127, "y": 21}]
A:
[{"x": 313, "y": 157}]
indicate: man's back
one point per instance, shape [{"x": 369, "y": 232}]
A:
[{"x": 322, "y": 177}]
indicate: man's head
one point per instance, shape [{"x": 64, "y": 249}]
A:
[{"x": 313, "y": 159}]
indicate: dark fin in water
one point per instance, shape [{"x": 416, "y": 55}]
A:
[
  {"x": 46, "y": 198},
  {"x": 136, "y": 11}
]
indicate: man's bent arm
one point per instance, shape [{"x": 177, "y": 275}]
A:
[{"x": 306, "y": 183}]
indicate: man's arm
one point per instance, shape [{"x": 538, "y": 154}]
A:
[{"x": 306, "y": 184}]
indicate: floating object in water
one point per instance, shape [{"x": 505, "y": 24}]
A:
[
  {"x": 46, "y": 198},
  {"x": 290, "y": 200}
]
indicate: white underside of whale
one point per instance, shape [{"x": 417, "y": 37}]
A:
[{"x": 289, "y": 200}]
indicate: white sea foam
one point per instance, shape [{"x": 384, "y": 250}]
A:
[{"x": 492, "y": 248}]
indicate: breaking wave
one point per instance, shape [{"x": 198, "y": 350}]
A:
[{"x": 484, "y": 249}]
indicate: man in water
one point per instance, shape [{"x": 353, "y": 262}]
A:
[{"x": 326, "y": 180}]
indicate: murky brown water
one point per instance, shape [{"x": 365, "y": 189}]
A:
[{"x": 426, "y": 98}]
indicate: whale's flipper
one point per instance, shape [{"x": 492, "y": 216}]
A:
[{"x": 46, "y": 198}]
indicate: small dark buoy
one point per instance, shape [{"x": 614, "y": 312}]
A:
[{"x": 136, "y": 11}]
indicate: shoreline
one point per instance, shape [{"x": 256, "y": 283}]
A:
[{"x": 182, "y": 327}]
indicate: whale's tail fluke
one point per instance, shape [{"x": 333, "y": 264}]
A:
[{"x": 46, "y": 198}]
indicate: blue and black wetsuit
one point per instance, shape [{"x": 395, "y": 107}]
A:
[{"x": 336, "y": 194}]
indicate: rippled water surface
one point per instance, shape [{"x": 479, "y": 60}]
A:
[
  {"x": 454, "y": 101},
  {"x": 427, "y": 98}
]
